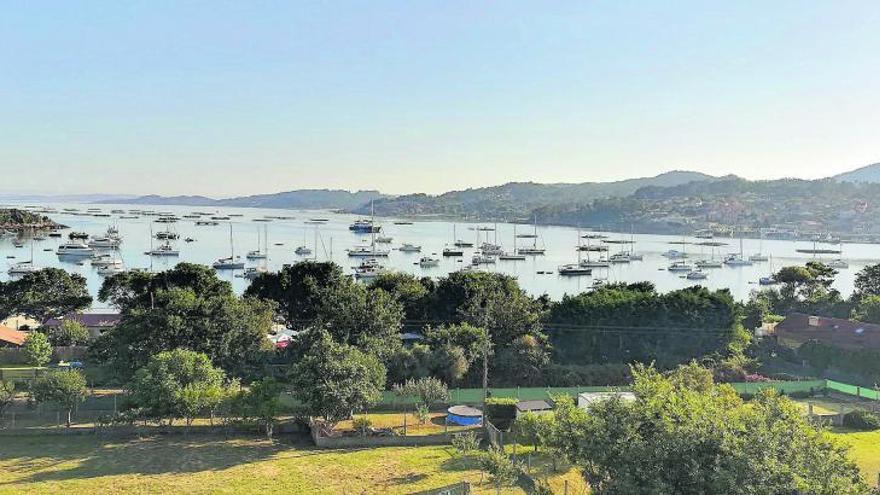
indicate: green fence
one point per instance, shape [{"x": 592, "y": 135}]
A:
[
  {"x": 475, "y": 395},
  {"x": 865, "y": 393}
]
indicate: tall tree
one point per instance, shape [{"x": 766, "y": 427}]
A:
[
  {"x": 298, "y": 289},
  {"x": 37, "y": 350},
  {"x": 231, "y": 330},
  {"x": 177, "y": 384},
  {"x": 335, "y": 380},
  {"x": 67, "y": 388},
  {"x": 47, "y": 293}
]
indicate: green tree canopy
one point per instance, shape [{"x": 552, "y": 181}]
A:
[
  {"x": 868, "y": 281},
  {"x": 47, "y": 293},
  {"x": 37, "y": 350},
  {"x": 176, "y": 384},
  {"x": 298, "y": 290},
  {"x": 136, "y": 290},
  {"x": 334, "y": 380},
  {"x": 230, "y": 330},
  {"x": 69, "y": 332},
  {"x": 685, "y": 435},
  {"x": 67, "y": 388}
]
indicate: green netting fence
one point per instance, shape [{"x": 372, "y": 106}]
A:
[
  {"x": 855, "y": 390},
  {"x": 475, "y": 395}
]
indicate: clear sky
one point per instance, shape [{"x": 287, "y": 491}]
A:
[{"x": 229, "y": 98}]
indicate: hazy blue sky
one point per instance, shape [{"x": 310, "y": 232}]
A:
[{"x": 228, "y": 98}]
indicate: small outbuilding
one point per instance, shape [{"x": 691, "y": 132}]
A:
[
  {"x": 533, "y": 406},
  {"x": 587, "y": 399}
]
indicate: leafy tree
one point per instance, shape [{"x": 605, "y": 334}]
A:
[
  {"x": 37, "y": 350},
  {"x": 7, "y": 395},
  {"x": 633, "y": 323},
  {"x": 230, "y": 330},
  {"x": 868, "y": 281},
  {"x": 522, "y": 363},
  {"x": 355, "y": 315},
  {"x": 137, "y": 290},
  {"x": 334, "y": 380},
  {"x": 177, "y": 384},
  {"x": 683, "y": 434},
  {"x": 298, "y": 290},
  {"x": 502, "y": 471},
  {"x": 867, "y": 309},
  {"x": 69, "y": 332},
  {"x": 411, "y": 292},
  {"x": 428, "y": 392},
  {"x": 262, "y": 401},
  {"x": 472, "y": 340},
  {"x": 67, "y": 388},
  {"x": 47, "y": 293}
]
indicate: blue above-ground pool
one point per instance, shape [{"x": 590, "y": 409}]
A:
[{"x": 464, "y": 416}]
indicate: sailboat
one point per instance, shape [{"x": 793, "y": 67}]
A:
[
  {"x": 514, "y": 256},
  {"x": 769, "y": 279},
  {"x": 259, "y": 254},
  {"x": 456, "y": 251},
  {"x": 304, "y": 250},
  {"x": 759, "y": 256},
  {"x": 588, "y": 263},
  {"x": 24, "y": 267},
  {"x": 737, "y": 259},
  {"x": 575, "y": 269},
  {"x": 230, "y": 263},
  {"x": 371, "y": 251},
  {"x": 839, "y": 262},
  {"x": 534, "y": 250}
]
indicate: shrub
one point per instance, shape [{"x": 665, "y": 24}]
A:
[
  {"x": 466, "y": 442},
  {"x": 501, "y": 411},
  {"x": 575, "y": 375},
  {"x": 861, "y": 420},
  {"x": 37, "y": 351},
  {"x": 502, "y": 471},
  {"x": 423, "y": 413},
  {"x": 69, "y": 332},
  {"x": 362, "y": 425}
]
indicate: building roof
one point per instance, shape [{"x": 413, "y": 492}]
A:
[
  {"x": 92, "y": 320},
  {"x": 839, "y": 332},
  {"x": 533, "y": 405},
  {"x": 10, "y": 336}
]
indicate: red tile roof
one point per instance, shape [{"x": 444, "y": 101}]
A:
[{"x": 10, "y": 336}]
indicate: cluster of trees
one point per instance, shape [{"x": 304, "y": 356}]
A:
[
  {"x": 685, "y": 434},
  {"x": 44, "y": 294}
]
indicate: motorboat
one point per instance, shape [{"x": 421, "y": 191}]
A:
[
  {"x": 104, "y": 243},
  {"x": 697, "y": 275},
  {"x": 364, "y": 226},
  {"x": 77, "y": 235},
  {"x": 410, "y": 248},
  {"x": 600, "y": 263},
  {"x": 767, "y": 281},
  {"x": 736, "y": 260},
  {"x": 482, "y": 259},
  {"x": 491, "y": 249},
  {"x": 74, "y": 249},
  {"x": 708, "y": 264},
  {"x": 463, "y": 244},
  {"x": 370, "y": 251},
  {"x": 384, "y": 239},
  {"x": 252, "y": 272},
  {"x": 302, "y": 251},
  {"x": 167, "y": 235},
  {"x": 207, "y": 223},
  {"x": 452, "y": 252},
  {"x": 229, "y": 263},
  {"x": 531, "y": 251},
  {"x": 574, "y": 269},
  {"x": 618, "y": 258},
  {"x": 163, "y": 250},
  {"x": 368, "y": 270},
  {"x": 99, "y": 260},
  {"x": 511, "y": 257},
  {"x": 674, "y": 254},
  {"x": 758, "y": 257},
  {"x": 680, "y": 266},
  {"x": 838, "y": 263},
  {"x": 429, "y": 261}
]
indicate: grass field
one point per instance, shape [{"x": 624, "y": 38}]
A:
[
  {"x": 82, "y": 464},
  {"x": 865, "y": 450}
]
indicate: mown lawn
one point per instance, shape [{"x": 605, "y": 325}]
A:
[
  {"x": 199, "y": 464},
  {"x": 865, "y": 450}
]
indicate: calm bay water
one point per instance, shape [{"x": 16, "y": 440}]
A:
[{"x": 212, "y": 242}]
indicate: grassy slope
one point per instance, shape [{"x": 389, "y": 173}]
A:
[{"x": 81, "y": 464}]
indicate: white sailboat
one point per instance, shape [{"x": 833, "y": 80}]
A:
[
  {"x": 575, "y": 269},
  {"x": 532, "y": 250},
  {"x": 259, "y": 254},
  {"x": 230, "y": 263},
  {"x": 737, "y": 259},
  {"x": 24, "y": 267},
  {"x": 371, "y": 251}
]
